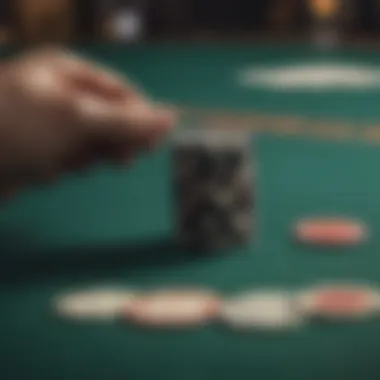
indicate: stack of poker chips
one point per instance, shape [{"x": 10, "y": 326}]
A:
[
  {"x": 213, "y": 188},
  {"x": 253, "y": 310}
]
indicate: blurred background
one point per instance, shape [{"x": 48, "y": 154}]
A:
[{"x": 138, "y": 20}]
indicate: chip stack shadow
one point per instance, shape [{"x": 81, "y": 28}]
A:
[{"x": 213, "y": 183}]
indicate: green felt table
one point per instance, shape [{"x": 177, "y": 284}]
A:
[{"x": 114, "y": 226}]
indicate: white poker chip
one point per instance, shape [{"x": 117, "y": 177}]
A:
[
  {"x": 264, "y": 310},
  {"x": 93, "y": 304},
  {"x": 339, "y": 302}
]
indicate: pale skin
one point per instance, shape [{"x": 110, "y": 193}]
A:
[{"x": 61, "y": 113}]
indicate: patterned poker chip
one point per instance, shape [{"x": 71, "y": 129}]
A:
[
  {"x": 330, "y": 231},
  {"x": 93, "y": 304},
  {"x": 261, "y": 310},
  {"x": 336, "y": 302},
  {"x": 177, "y": 308}
]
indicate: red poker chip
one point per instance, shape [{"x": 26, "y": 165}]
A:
[
  {"x": 340, "y": 302},
  {"x": 173, "y": 309},
  {"x": 330, "y": 231}
]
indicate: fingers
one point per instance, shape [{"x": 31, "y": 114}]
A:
[
  {"x": 112, "y": 110},
  {"x": 91, "y": 78},
  {"x": 85, "y": 79},
  {"x": 136, "y": 122},
  {"x": 120, "y": 132}
]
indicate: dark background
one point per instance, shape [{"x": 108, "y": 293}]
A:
[{"x": 174, "y": 19}]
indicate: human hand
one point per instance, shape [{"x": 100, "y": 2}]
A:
[{"x": 60, "y": 113}]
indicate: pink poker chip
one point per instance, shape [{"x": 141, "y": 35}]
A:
[
  {"x": 340, "y": 302},
  {"x": 330, "y": 231},
  {"x": 173, "y": 308}
]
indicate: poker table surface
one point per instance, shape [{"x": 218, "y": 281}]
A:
[{"x": 114, "y": 226}]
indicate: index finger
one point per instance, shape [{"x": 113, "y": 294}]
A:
[{"x": 131, "y": 121}]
